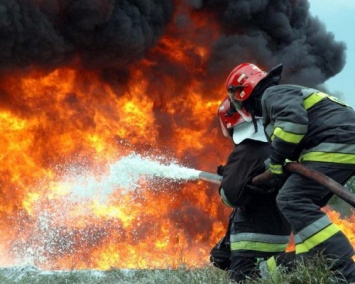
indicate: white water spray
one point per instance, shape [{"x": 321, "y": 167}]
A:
[
  {"x": 79, "y": 195},
  {"x": 126, "y": 174}
]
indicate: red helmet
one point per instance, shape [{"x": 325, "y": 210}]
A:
[
  {"x": 230, "y": 117},
  {"x": 242, "y": 81}
]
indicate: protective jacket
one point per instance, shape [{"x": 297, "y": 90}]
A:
[
  {"x": 318, "y": 130},
  {"x": 308, "y": 125},
  {"x": 258, "y": 228}
]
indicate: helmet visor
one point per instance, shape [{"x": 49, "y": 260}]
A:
[
  {"x": 224, "y": 130},
  {"x": 237, "y": 104},
  {"x": 233, "y": 94}
]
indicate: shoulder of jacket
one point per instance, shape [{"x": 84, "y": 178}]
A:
[
  {"x": 285, "y": 87},
  {"x": 281, "y": 90}
]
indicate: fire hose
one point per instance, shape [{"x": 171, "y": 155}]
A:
[{"x": 300, "y": 169}]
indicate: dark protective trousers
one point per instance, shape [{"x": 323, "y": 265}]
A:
[{"x": 300, "y": 200}]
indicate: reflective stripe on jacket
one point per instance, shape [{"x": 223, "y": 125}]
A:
[
  {"x": 308, "y": 125},
  {"x": 258, "y": 242},
  {"x": 315, "y": 234}
]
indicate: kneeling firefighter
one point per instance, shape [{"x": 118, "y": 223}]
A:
[{"x": 256, "y": 230}]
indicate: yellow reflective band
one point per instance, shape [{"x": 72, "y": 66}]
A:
[
  {"x": 292, "y": 127},
  {"x": 338, "y": 158},
  {"x": 317, "y": 239},
  {"x": 261, "y": 238},
  {"x": 287, "y": 136},
  {"x": 257, "y": 246},
  {"x": 276, "y": 169},
  {"x": 313, "y": 99}
]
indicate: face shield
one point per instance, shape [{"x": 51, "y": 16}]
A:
[
  {"x": 237, "y": 104},
  {"x": 225, "y": 131}
]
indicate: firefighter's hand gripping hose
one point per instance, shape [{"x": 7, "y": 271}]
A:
[{"x": 294, "y": 167}]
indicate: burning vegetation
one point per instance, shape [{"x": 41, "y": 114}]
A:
[{"x": 84, "y": 83}]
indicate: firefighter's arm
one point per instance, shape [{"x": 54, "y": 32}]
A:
[
  {"x": 245, "y": 162},
  {"x": 290, "y": 124},
  {"x": 225, "y": 200}
]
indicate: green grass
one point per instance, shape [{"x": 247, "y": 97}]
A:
[
  {"x": 208, "y": 275},
  {"x": 315, "y": 271}
]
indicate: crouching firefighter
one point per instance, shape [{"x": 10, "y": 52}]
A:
[{"x": 256, "y": 230}]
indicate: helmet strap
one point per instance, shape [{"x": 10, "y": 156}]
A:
[
  {"x": 253, "y": 106},
  {"x": 254, "y": 122},
  {"x": 252, "y": 113}
]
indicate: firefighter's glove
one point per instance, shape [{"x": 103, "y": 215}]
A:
[
  {"x": 275, "y": 163},
  {"x": 277, "y": 169},
  {"x": 279, "y": 173},
  {"x": 220, "y": 170}
]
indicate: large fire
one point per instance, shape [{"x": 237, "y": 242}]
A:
[
  {"x": 61, "y": 124},
  {"x": 57, "y": 137}
]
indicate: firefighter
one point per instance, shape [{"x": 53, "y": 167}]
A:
[
  {"x": 317, "y": 130},
  {"x": 256, "y": 230}
]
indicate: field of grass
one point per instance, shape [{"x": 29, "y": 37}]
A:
[
  {"x": 119, "y": 276},
  {"x": 315, "y": 272}
]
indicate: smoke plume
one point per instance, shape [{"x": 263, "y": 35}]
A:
[
  {"x": 111, "y": 34},
  {"x": 55, "y": 32},
  {"x": 272, "y": 32}
]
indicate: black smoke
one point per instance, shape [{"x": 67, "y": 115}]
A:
[
  {"x": 271, "y": 32},
  {"x": 101, "y": 33},
  {"x": 109, "y": 35}
]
